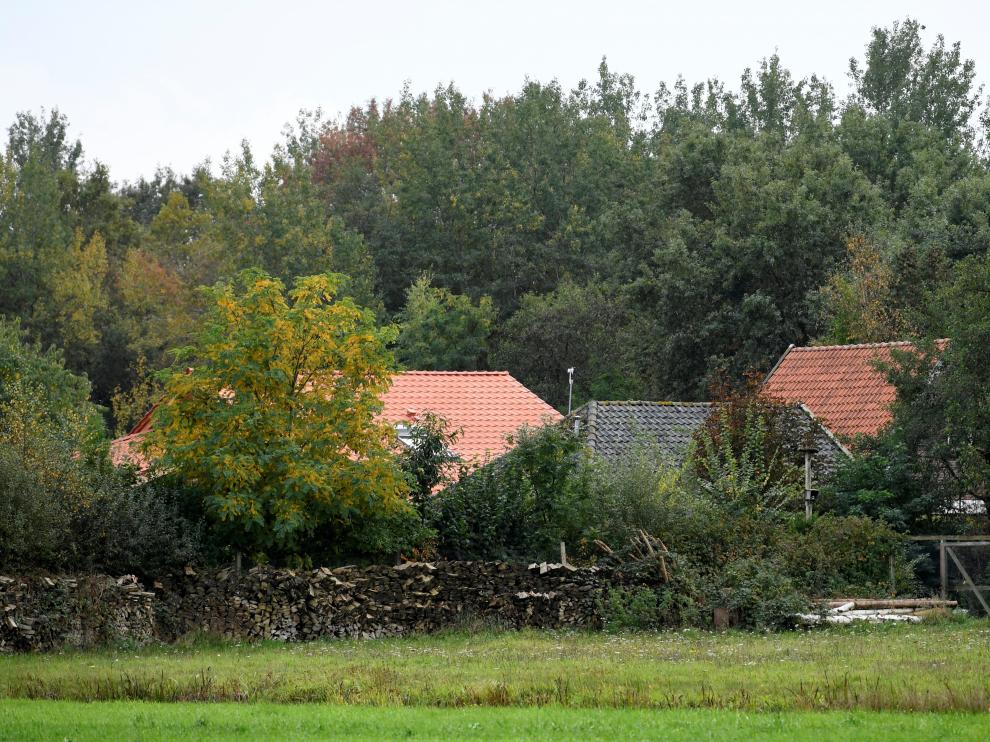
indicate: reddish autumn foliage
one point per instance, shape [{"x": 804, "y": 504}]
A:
[
  {"x": 343, "y": 147},
  {"x": 737, "y": 409}
]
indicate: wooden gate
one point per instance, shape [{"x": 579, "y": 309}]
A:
[{"x": 949, "y": 550}]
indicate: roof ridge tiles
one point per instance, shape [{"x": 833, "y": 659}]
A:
[
  {"x": 651, "y": 402},
  {"x": 452, "y": 373},
  {"x": 851, "y": 346}
]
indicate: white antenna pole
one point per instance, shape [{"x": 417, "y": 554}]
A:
[{"x": 570, "y": 388}]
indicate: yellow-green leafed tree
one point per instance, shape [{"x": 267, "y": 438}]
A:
[{"x": 275, "y": 423}]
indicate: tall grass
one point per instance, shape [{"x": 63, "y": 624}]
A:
[{"x": 903, "y": 668}]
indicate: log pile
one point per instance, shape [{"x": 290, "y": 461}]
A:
[
  {"x": 43, "y": 613},
  {"x": 876, "y": 610},
  {"x": 375, "y": 601}
]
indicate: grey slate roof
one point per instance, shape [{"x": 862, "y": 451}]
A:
[{"x": 612, "y": 428}]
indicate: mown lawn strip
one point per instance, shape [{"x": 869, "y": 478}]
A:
[{"x": 46, "y": 720}]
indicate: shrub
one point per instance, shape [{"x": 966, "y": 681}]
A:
[
  {"x": 103, "y": 522},
  {"x": 518, "y": 506},
  {"x": 378, "y": 537},
  {"x": 644, "y": 489},
  {"x": 64, "y": 507},
  {"x": 760, "y": 594},
  {"x": 882, "y": 482},
  {"x": 849, "y": 555},
  {"x": 635, "y": 608},
  {"x": 743, "y": 455},
  {"x": 134, "y": 527},
  {"x": 430, "y": 459}
]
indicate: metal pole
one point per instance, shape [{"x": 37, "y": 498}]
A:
[
  {"x": 570, "y": 388},
  {"x": 807, "y": 485}
]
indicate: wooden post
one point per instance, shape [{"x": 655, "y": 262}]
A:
[
  {"x": 721, "y": 618},
  {"x": 563, "y": 553},
  {"x": 893, "y": 577},
  {"x": 943, "y": 570}
]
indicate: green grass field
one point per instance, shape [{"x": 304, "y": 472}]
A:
[
  {"x": 932, "y": 667},
  {"x": 871, "y": 682},
  {"x": 130, "y": 720}
]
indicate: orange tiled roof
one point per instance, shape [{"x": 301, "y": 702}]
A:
[
  {"x": 484, "y": 406},
  {"x": 839, "y": 384}
]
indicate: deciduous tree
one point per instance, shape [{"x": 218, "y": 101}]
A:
[
  {"x": 444, "y": 331},
  {"x": 276, "y": 421}
]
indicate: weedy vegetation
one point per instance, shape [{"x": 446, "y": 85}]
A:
[{"x": 942, "y": 667}]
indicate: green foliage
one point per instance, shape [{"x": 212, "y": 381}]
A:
[
  {"x": 521, "y": 505},
  {"x": 762, "y": 563},
  {"x": 760, "y": 594},
  {"x": 631, "y": 608},
  {"x": 677, "y": 603},
  {"x": 64, "y": 507},
  {"x": 645, "y": 490},
  {"x": 442, "y": 331},
  {"x": 572, "y": 326},
  {"x": 56, "y": 393},
  {"x": 380, "y": 536},
  {"x": 429, "y": 460},
  {"x": 904, "y": 83},
  {"x": 275, "y": 424},
  {"x": 654, "y": 241},
  {"x": 744, "y": 453},
  {"x": 131, "y": 404},
  {"x": 147, "y": 528},
  {"x": 881, "y": 481},
  {"x": 860, "y": 303},
  {"x": 942, "y": 416},
  {"x": 846, "y": 555}
]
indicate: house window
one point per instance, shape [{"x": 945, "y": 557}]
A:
[
  {"x": 404, "y": 431},
  {"x": 405, "y": 435}
]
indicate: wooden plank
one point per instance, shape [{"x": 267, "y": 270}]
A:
[
  {"x": 881, "y": 603},
  {"x": 948, "y": 538},
  {"x": 943, "y": 570},
  {"x": 969, "y": 581}
]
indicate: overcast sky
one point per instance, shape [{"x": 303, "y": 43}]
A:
[{"x": 176, "y": 82}]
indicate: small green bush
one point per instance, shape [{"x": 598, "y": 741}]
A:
[
  {"x": 760, "y": 594},
  {"x": 645, "y": 490},
  {"x": 631, "y": 608},
  {"x": 520, "y": 506},
  {"x": 848, "y": 555}
]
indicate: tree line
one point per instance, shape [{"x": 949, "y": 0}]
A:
[{"x": 658, "y": 241}]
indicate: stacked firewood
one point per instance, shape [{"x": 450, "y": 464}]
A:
[
  {"x": 366, "y": 602},
  {"x": 41, "y": 613}
]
